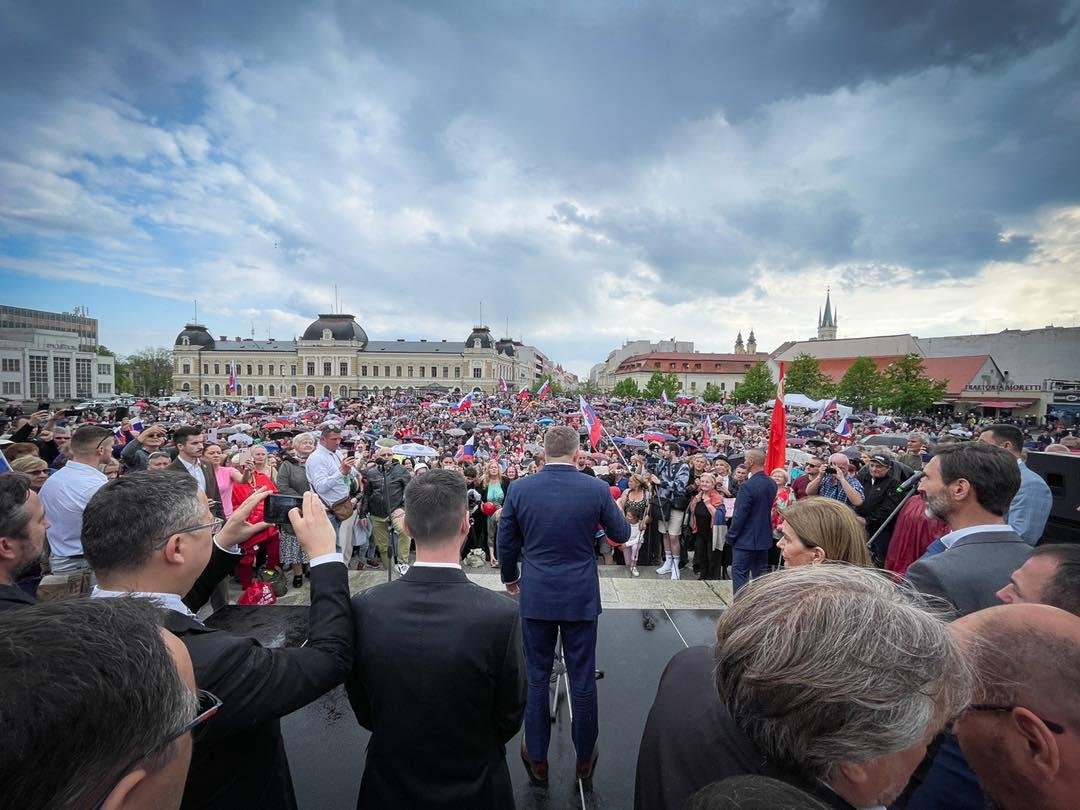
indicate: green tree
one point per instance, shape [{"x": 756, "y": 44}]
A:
[
  {"x": 757, "y": 386},
  {"x": 626, "y": 387},
  {"x": 659, "y": 383},
  {"x": 860, "y": 386},
  {"x": 803, "y": 375},
  {"x": 149, "y": 370},
  {"x": 906, "y": 389},
  {"x": 712, "y": 393}
]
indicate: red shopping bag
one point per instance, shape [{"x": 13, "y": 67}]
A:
[{"x": 259, "y": 592}]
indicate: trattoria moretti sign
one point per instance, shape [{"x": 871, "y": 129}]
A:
[{"x": 1003, "y": 388}]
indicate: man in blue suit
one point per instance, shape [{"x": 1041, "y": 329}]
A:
[
  {"x": 750, "y": 534},
  {"x": 549, "y": 523}
]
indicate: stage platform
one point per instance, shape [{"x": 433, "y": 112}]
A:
[{"x": 326, "y": 746}]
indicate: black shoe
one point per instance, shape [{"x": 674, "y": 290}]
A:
[
  {"x": 298, "y": 581},
  {"x": 537, "y": 771}
]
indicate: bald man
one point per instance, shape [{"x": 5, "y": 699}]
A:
[
  {"x": 750, "y": 534},
  {"x": 1022, "y": 733},
  {"x": 833, "y": 481}
]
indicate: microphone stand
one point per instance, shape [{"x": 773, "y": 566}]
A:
[
  {"x": 892, "y": 516},
  {"x": 391, "y": 534}
]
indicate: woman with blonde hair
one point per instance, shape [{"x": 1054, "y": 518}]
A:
[
  {"x": 816, "y": 530},
  {"x": 34, "y": 467},
  {"x": 634, "y": 503}
]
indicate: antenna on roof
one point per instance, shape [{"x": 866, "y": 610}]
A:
[
  {"x": 253, "y": 330},
  {"x": 196, "y": 311},
  {"x": 481, "y": 321}
]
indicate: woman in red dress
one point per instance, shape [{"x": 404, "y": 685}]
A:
[{"x": 256, "y": 474}]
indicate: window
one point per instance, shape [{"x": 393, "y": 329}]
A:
[
  {"x": 185, "y": 368},
  {"x": 249, "y": 370},
  {"x": 422, "y": 371},
  {"x": 206, "y": 389},
  {"x": 260, "y": 369},
  {"x": 327, "y": 368},
  {"x": 672, "y": 365},
  {"x": 83, "y": 384},
  {"x": 477, "y": 372},
  {"x": 217, "y": 368},
  {"x": 104, "y": 388},
  {"x": 386, "y": 371},
  {"x": 262, "y": 393},
  {"x": 723, "y": 387},
  {"x": 251, "y": 390},
  {"x": 344, "y": 367},
  {"x": 217, "y": 389},
  {"x": 693, "y": 386},
  {"x": 445, "y": 372},
  {"x": 205, "y": 368},
  {"x": 292, "y": 390},
  {"x": 374, "y": 371},
  {"x": 697, "y": 365},
  {"x": 327, "y": 334},
  {"x": 311, "y": 369},
  {"x": 12, "y": 388},
  {"x": 186, "y": 388},
  {"x": 11, "y": 364},
  {"x": 293, "y": 372},
  {"x": 62, "y": 377},
  {"x": 457, "y": 372},
  {"x": 311, "y": 390},
  {"x": 271, "y": 390},
  {"x": 326, "y": 391},
  {"x": 434, "y": 372},
  {"x": 410, "y": 372},
  {"x": 397, "y": 370},
  {"x": 363, "y": 371},
  {"x": 344, "y": 392},
  {"x": 104, "y": 369}
]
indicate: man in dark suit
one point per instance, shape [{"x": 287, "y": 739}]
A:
[
  {"x": 22, "y": 536},
  {"x": 750, "y": 533},
  {"x": 551, "y": 519},
  {"x": 151, "y": 534},
  {"x": 190, "y": 443},
  {"x": 449, "y": 664}
]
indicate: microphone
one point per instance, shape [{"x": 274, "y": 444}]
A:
[{"x": 904, "y": 487}]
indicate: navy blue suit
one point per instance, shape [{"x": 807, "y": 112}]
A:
[
  {"x": 549, "y": 523},
  {"x": 750, "y": 534}
]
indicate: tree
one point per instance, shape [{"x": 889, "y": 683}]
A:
[
  {"x": 803, "y": 375},
  {"x": 626, "y": 387},
  {"x": 660, "y": 383},
  {"x": 149, "y": 370},
  {"x": 860, "y": 386},
  {"x": 906, "y": 389},
  {"x": 712, "y": 393},
  {"x": 757, "y": 386}
]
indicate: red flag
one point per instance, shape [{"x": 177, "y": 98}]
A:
[{"x": 777, "y": 453}]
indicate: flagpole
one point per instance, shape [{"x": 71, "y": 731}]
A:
[{"x": 618, "y": 449}]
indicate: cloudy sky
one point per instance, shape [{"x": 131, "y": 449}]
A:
[{"x": 590, "y": 172}]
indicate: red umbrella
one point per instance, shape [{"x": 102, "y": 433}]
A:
[{"x": 273, "y": 425}]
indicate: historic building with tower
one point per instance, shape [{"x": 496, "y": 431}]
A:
[{"x": 334, "y": 357}]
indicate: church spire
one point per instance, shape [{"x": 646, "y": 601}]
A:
[
  {"x": 739, "y": 344},
  {"x": 827, "y": 320}
]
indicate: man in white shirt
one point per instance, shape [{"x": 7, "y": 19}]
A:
[
  {"x": 67, "y": 492},
  {"x": 329, "y": 473},
  {"x": 190, "y": 443}
]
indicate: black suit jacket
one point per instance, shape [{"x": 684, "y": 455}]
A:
[
  {"x": 440, "y": 681},
  {"x": 690, "y": 740},
  {"x": 239, "y": 757},
  {"x": 12, "y": 596}
]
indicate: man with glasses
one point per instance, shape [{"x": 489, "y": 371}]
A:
[
  {"x": 119, "y": 735},
  {"x": 812, "y": 468},
  {"x": 67, "y": 492},
  {"x": 136, "y": 454},
  {"x": 151, "y": 534}
]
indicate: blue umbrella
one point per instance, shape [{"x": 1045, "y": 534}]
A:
[
  {"x": 628, "y": 410},
  {"x": 630, "y": 441},
  {"x": 505, "y": 411},
  {"x": 502, "y": 428},
  {"x": 416, "y": 450},
  {"x": 545, "y": 420},
  {"x": 730, "y": 417},
  {"x": 807, "y": 432}
]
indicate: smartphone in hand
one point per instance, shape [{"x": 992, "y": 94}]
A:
[{"x": 276, "y": 508}]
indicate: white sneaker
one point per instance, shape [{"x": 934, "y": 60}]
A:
[
  {"x": 402, "y": 569},
  {"x": 674, "y": 573},
  {"x": 634, "y": 572},
  {"x": 665, "y": 568}
]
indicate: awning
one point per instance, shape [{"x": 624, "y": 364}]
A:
[{"x": 1005, "y": 403}]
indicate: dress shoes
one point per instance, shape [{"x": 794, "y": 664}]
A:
[{"x": 538, "y": 771}]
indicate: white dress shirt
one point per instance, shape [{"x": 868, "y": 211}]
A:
[
  {"x": 64, "y": 497},
  {"x": 195, "y": 470},
  {"x": 324, "y": 474},
  {"x": 419, "y": 564},
  {"x": 948, "y": 540}
]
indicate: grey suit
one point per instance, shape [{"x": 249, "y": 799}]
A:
[{"x": 970, "y": 573}]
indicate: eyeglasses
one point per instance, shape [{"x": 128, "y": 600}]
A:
[
  {"x": 1055, "y": 728},
  {"x": 209, "y": 705},
  {"x": 214, "y": 526}
]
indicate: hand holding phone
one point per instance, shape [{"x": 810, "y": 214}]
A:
[{"x": 278, "y": 506}]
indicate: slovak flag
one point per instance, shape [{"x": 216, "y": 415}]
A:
[
  {"x": 683, "y": 400},
  {"x": 706, "y": 429},
  {"x": 827, "y": 408},
  {"x": 502, "y": 385},
  {"x": 465, "y": 452},
  {"x": 523, "y": 393},
  {"x": 844, "y": 429},
  {"x": 231, "y": 385},
  {"x": 544, "y": 389},
  {"x": 591, "y": 420},
  {"x": 466, "y": 402},
  {"x": 664, "y": 399}
]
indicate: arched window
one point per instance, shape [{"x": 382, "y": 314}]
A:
[
  {"x": 251, "y": 390},
  {"x": 271, "y": 390},
  {"x": 344, "y": 392},
  {"x": 311, "y": 390},
  {"x": 249, "y": 370},
  {"x": 292, "y": 391},
  {"x": 326, "y": 390},
  {"x": 260, "y": 369},
  {"x": 206, "y": 389},
  {"x": 186, "y": 387},
  {"x": 261, "y": 392},
  {"x": 217, "y": 390}
]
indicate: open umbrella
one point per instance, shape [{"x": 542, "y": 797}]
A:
[
  {"x": 502, "y": 428},
  {"x": 731, "y": 419},
  {"x": 414, "y": 450},
  {"x": 203, "y": 411},
  {"x": 629, "y": 441},
  {"x": 887, "y": 439},
  {"x": 689, "y": 444},
  {"x": 852, "y": 452},
  {"x": 273, "y": 425},
  {"x": 505, "y": 411},
  {"x": 454, "y": 432},
  {"x": 545, "y": 420},
  {"x": 798, "y": 456},
  {"x": 796, "y": 442},
  {"x": 821, "y": 442},
  {"x": 654, "y": 436},
  {"x": 385, "y": 441},
  {"x": 533, "y": 448},
  {"x": 807, "y": 433}
]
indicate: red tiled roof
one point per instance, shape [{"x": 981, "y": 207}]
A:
[
  {"x": 959, "y": 371},
  {"x": 836, "y": 367}
]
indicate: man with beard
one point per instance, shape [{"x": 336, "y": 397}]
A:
[
  {"x": 970, "y": 486},
  {"x": 22, "y": 536}
]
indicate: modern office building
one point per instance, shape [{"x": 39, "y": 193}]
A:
[{"x": 51, "y": 356}]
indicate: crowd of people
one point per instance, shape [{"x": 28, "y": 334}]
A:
[{"x": 879, "y": 651}]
